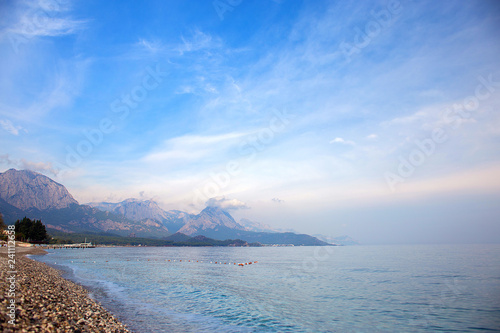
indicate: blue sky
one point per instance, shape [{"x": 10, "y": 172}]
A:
[{"x": 379, "y": 120}]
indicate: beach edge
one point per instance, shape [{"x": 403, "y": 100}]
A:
[{"x": 44, "y": 300}]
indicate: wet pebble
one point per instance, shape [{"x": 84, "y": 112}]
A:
[{"x": 45, "y": 302}]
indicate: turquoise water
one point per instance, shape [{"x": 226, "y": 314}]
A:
[{"x": 293, "y": 289}]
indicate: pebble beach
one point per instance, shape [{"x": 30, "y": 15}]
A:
[{"x": 46, "y": 302}]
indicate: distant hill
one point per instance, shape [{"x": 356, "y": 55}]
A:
[
  {"x": 340, "y": 240},
  {"x": 111, "y": 239},
  {"x": 177, "y": 237}
]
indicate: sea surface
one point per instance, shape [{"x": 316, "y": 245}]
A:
[{"x": 292, "y": 289}]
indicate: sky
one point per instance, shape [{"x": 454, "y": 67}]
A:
[{"x": 378, "y": 119}]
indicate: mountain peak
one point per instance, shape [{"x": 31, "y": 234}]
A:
[
  {"x": 26, "y": 189},
  {"x": 134, "y": 209},
  {"x": 212, "y": 210},
  {"x": 210, "y": 218}
]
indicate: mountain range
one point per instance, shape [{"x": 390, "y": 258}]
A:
[{"x": 31, "y": 194}]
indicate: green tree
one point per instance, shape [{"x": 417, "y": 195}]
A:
[
  {"x": 2, "y": 224},
  {"x": 2, "y": 228},
  {"x": 38, "y": 231},
  {"x": 31, "y": 231}
]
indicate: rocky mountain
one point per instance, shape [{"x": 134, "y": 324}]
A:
[
  {"x": 27, "y": 189},
  {"x": 27, "y": 193},
  {"x": 82, "y": 218},
  {"x": 146, "y": 211},
  {"x": 211, "y": 218},
  {"x": 212, "y": 222},
  {"x": 133, "y": 209}
]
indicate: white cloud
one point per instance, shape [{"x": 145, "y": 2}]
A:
[
  {"x": 343, "y": 141},
  {"x": 23, "y": 164},
  {"x": 223, "y": 203},
  {"x": 372, "y": 136}
]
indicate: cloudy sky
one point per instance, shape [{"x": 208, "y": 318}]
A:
[{"x": 378, "y": 120}]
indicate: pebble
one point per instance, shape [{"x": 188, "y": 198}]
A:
[{"x": 46, "y": 302}]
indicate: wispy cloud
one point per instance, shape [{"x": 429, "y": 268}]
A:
[
  {"x": 152, "y": 46},
  {"x": 42, "y": 167},
  {"x": 39, "y": 18},
  {"x": 198, "y": 41},
  {"x": 223, "y": 203},
  {"x": 30, "y": 26},
  {"x": 8, "y": 126},
  {"x": 193, "y": 147}
]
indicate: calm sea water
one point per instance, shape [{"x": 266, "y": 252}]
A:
[{"x": 293, "y": 289}]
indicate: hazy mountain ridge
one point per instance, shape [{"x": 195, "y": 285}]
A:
[
  {"x": 133, "y": 209},
  {"x": 338, "y": 240},
  {"x": 28, "y": 193},
  {"x": 31, "y": 194},
  {"x": 218, "y": 224},
  {"x": 147, "y": 212},
  {"x": 250, "y": 225},
  {"x": 210, "y": 218}
]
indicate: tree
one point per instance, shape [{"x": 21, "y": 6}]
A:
[
  {"x": 2, "y": 228},
  {"x": 31, "y": 231},
  {"x": 2, "y": 224}
]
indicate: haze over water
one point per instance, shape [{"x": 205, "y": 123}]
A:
[{"x": 294, "y": 289}]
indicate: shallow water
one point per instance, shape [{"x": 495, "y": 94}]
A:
[{"x": 293, "y": 289}]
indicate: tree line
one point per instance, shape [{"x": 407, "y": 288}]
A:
[{"x": 28, "y": 230}]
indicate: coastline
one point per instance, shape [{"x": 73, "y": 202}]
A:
[{"x": 47, "y": 302}]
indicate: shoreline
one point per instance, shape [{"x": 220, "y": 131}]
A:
[{"x": 45, "y": 301}]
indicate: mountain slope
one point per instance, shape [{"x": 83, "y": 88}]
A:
[
  {"x": 27, "y": 189},
  {"x": 222, "y": 233},
  {"x": 134, "y": 209},
  {"x": 250, "y": 225},
  {"x": 27, "y": 193},
  {"x": 211, "y": 218},
  {"x": 146, "y": 211},
  {"x": 211, "y": 222},
  {"x": 10, "y": 213},
  {"x": 82, "y": 218}
]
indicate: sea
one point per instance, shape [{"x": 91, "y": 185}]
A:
[{"x": 410, "y": 288}]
